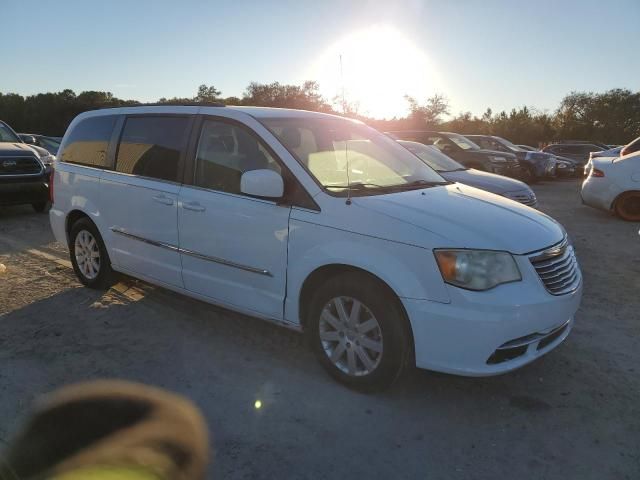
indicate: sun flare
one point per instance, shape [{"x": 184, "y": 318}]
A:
[{"x": 379, "y": 67}]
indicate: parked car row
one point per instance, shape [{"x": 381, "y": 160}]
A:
[
  {"x": 465, "y": 151},
  {"x": 456, "y": 172},
  {"x": 323, "y": 225},
  {"x": 497, "y": 155}
]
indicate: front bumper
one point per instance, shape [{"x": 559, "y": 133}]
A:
[
  {"x": 465, "y": 336},
  {"x": 18, "y": 191}
]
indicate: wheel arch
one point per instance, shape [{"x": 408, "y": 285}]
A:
[
  {"x": 326, "y": 272},
  {"x": 73, "y": 216},
  {"x": 617, "y": 198}
]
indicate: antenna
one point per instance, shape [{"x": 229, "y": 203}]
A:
[
  {"x": 344, "y": 104},
  {"x": 346, "y": 155}
]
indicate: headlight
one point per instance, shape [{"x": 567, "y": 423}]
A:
[
  {"x": 497, "y": 159},
  {"x": 562, "y": 165},
  {"x": 477, "y": 269},
  {"x": 48, "y": 160}
]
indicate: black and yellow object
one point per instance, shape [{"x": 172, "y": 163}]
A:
[{"x": 109, "y": 430}]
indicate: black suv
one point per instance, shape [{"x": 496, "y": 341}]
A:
[
  {"x": 24, "y": 172},
  {"x": 465, "y": 151}
]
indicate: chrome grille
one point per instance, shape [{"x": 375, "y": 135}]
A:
[
  {"x": 558, "y": 268},
  {"x": 17, "y": 166}
]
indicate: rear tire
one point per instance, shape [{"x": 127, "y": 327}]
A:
[
  {"x": 358, "y": 332},
  {"x": 41, "y": 207},
  {"x": 627, "y": 206},
  {"x": 89, "y": 255}
]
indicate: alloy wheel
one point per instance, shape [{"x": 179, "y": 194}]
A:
[
  {"x": 87, "y": 254},
  {"x": 351, "y": 336}
]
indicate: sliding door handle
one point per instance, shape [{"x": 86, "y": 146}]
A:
[{"x": 193, "y": 206}]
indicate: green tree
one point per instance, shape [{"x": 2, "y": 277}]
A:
[
  {"x": 305, "y": 97},
  {"x": 207, "y": 94},
  {"x": 428, "y": 114}
]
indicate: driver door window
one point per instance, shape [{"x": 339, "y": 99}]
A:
[{"x": 225, "y": 152}]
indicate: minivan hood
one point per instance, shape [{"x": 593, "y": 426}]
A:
[
  {"x": 8, "y": 149},
  {"x": 469, "y": 218},
  {"x": 486, "y": 181}
]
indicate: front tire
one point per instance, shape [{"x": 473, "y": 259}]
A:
[
  {"x": 627, "y": 206},
  {"x": 89, "y": 255},
  {"x": 529, "y": 175},
  {"x": 358, "y": 332}
]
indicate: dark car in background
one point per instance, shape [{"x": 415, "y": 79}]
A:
[
  {"x": 456, "y": 172},
  {"x": 24, "y": 177},
  {"x": 464, "y": 151},
  {"x": 535, "y": 165},
  {"x": 576, "y": 152},
  {"x": 603, "y": 146},
  {"x": 51, "y": 144}
]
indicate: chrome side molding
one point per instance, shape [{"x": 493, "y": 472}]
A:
[{"x": 191, "y": 253}]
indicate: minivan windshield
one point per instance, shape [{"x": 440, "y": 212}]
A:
[
  {"x": 432, "y": 157},
  {"x": 6, "y": 135},
  {"x": 343, "y": 154}
]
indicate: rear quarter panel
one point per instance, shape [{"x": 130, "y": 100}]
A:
[{"x": 75, "y": 188}]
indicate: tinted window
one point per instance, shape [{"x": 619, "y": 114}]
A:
[
  {"x": 440, "y": 142},
  {"x": 88, "y": 142},
  {"x": 151, "y": 146},
  {"x": 225, "y": 152},
  {"x": 6, "y": 135}
]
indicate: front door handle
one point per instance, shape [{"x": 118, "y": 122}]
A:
[
  {"x": 194, "y": 206},
  {"x": 163, "y": 200}
]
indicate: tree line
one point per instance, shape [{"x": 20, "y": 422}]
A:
[{"x": 609, "y": 117}]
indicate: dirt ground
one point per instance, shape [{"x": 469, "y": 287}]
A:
[{"x": 575, "y": 413}]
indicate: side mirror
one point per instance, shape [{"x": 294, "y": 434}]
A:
[
  {"x": 262, "y": 183},
  {"x": 30, "y": 139}
]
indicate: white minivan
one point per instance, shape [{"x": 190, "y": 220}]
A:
[{"x": 321, "y": 224}]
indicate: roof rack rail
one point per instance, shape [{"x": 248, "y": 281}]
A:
[{"x": 181, "y": 104}]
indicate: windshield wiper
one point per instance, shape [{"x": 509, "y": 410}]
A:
[
  {"x": 420, "y": 184},
  {"x": 355, "y": 186}
]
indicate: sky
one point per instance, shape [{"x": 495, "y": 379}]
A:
[{"x": 478, "y": 53}]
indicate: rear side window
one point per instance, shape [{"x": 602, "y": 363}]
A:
[
  {"x": 88, "y": 142},
  {"x": 151, "y": 146}
]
